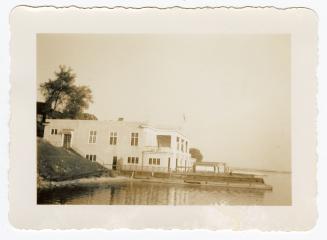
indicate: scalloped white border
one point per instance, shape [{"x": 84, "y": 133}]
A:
[{"x": 301, "y": 23}]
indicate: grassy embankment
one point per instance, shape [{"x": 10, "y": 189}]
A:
[{"x": 59, "y": 164}]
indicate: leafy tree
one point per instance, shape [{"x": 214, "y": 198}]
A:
[
  {"x": 55, "y": 91},
  {"x": 78, "y": 100},
  {"x": 196, "y": 153},
  {"x": 63, "y": 98},
  {"x": 86, "y": 116}
]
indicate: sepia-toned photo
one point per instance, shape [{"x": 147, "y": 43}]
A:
[
  {"x": 163, "y": 119},
  {"x": 153, "y": 118}
]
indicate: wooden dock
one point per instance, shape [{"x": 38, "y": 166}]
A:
[{"x": 235, "y": 181}]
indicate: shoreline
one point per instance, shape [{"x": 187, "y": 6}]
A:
[{"x": 95, "y": 181}]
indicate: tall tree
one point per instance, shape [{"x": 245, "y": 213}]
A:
[
  {"x": 196, "y": 153},
  {"x": 78, "y": 100},
  {"x": 55, "y": 91},
  {"x": 63, "y": 98}
]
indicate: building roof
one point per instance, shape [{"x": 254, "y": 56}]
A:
[
  {"x": 162, "y": 128},
  {"x": 122, "y": 122}
]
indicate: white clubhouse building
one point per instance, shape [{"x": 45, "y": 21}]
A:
[{"x": 134, "y": 145}]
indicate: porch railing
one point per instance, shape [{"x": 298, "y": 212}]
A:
[{"x": 144, "y": 168}]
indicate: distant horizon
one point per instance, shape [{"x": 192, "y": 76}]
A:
[
  {"x": 260, "y": 170},
  {"x": 230, "y": 94}
]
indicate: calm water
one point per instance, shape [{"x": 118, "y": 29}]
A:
[{"x": 137, "y": 193}]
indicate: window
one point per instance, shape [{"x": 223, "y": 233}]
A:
[
  {"x": 93, "y": 136},
  {"x": 182, "y": 145},
  {"x": 164, "y": 140},
  {"x": 154, "y": 161},
  {"x": 135, "y": 139},
  {"x": 91, "y": 157},
  {"x": 133, "y": 160},
  {"x": 177, "y": 143},
  {"x": 113, "y": 138},
  {"x": 54, "y": 131}
]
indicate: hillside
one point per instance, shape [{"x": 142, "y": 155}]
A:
[{"x": 58, "y": 164}]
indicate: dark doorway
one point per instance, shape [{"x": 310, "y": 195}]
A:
[
  {"x": 114, "y": 163},
  {"x": 67, "y": 140}
]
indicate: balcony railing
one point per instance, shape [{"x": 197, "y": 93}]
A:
[
  {"x": 157, "y": 149},
  {"x": 144, "y": 168},
  {"x": 138, "y": 168}
]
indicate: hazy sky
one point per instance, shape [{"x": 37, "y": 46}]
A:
[{"x": 234, "y": 90}]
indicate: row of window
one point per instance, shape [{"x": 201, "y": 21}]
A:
[
  {"x": 154, "y": 161},
  {"x": 54, "y": 131},
  {"x": 180, "y": 144},
  {"x": 113, "y": 138},
  {"x": 91, "y": 157},
  {"x": 130, "y": 160},
  {"x": 133, "y": 160},
  {"x": 134, "y": 139}
]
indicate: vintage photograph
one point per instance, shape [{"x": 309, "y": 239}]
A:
[
  {"x": 172, "y": 118},
  {"x": 164, "y": 119}
]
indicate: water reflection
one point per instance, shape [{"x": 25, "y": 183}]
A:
[{"x": 138, "y": 193}]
